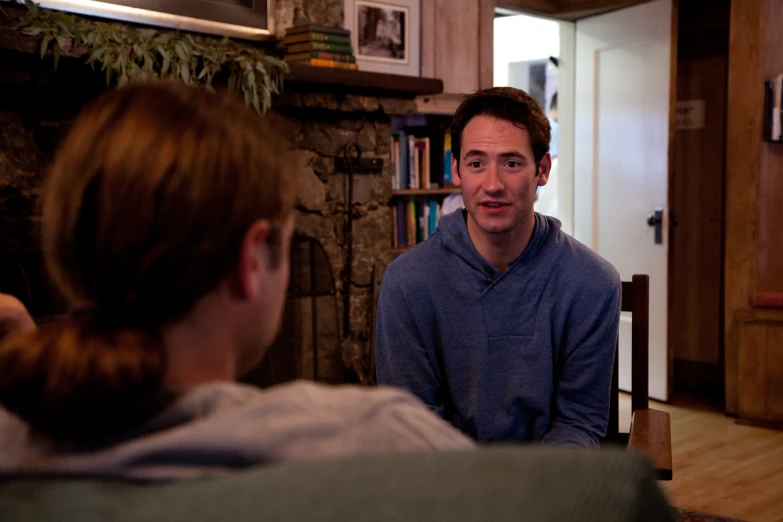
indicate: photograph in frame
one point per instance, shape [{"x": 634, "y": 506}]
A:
[
  {"x": 382, "y": 33},
  {"x": 385, "y": 35}
]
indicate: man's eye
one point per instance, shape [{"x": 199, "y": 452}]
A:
[
  {"x": 474, "y": 164},
  {"x": 513, "y": 164}
]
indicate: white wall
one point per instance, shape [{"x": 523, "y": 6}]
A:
[
  {"x": 526, "y": 38},
  {"x": 565, "y": 116},
  {"x": 523, "y": 38}
]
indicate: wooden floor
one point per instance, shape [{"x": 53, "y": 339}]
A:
[{"x": 721, "y": 467}]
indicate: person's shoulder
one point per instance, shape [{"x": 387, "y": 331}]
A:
[
  {"x": 345, "y": 397},
  {"x": 396, "y": 418},
  {"x": 581, "y": 265},
  {"x": 422, "y": 260}
]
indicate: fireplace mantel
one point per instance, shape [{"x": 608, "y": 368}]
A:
[{"x": 300, "y": 77}]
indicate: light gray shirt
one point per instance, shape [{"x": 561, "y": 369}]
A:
[{"x": 223, "y": 427}]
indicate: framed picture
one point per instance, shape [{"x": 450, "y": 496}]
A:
[
  {"x": 247, "y": 19},
  {"x": 385, "y": 35}
]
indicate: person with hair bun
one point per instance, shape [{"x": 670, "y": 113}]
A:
[{"x": 167, "y": 219}]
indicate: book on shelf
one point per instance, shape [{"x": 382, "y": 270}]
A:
[
  {"x": 321, "y": 55},
  {"x": 319, "y": 46},
  {"x": 418, "y": 157},
  {"x": 317, "y": 62},
  {"x": 312, "y": 36},
  {"x": 414, "y": 220}
]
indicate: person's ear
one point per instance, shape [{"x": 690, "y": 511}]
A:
[
  {"x": 544, "y": 168},
  {"x": 255, "y": 260},
  {"x": 455, "y": 172}
]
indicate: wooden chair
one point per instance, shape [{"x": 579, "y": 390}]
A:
[{"x": 650, "y": 431}]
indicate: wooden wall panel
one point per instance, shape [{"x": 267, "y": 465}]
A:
[
  {"x": 486, "y": 43},
  {"x": 761, "y": 366},
  {"x": 770, "y": 256},
  {"x": 743, "y": 144},
  {"x": 428, "y": 31},
  {"x": 697, "y": 268},
  {"x": 457, "y": 43}
]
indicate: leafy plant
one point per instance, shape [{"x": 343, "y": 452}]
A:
[{"x": 126, "y": 54}]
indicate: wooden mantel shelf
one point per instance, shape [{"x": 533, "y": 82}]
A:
[
  {"x": 363, "y": 82},
  {"x": 300, "y": 77}
]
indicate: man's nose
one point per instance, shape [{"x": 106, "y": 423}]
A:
[{"x": 492, "y": 182}]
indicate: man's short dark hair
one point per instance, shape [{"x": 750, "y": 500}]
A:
[{"x": 504, "y": 103}]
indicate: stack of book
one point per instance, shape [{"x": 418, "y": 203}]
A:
[{"x": 319, "y": 46}]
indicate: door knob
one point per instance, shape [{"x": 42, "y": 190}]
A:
[{"x": 656, "y": 220}]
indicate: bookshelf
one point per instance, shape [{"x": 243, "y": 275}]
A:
[{"x": 421, "y": 163}]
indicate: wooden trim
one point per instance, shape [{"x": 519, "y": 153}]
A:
[
  {"x": 486, "y": 35},
  {"x": 429, "y": 24},
  {"x": 743, "y": 162},
  {"x": 425, "y": 192},
  {"x": 305, "y": 76},
  {"x": 670, "y": 290},
  {"x": 758, "y": 315},
  {"x": 445, "y": 104}
]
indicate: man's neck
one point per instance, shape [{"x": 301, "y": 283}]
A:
[
  {"x": 197, "y": 351},
  {"x": 502, "y": 249}
]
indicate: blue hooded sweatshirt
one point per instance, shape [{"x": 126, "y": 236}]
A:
[{"x": 521, "y": 355}]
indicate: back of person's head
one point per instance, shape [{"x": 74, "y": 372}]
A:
[
  {"x": 145, "y": 211},
  {"x": 503, "y": 103}
]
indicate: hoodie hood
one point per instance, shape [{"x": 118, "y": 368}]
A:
[{"x": 456, "y": 239}]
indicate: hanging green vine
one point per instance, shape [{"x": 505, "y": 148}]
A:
[{"x": 126, "y": 53}]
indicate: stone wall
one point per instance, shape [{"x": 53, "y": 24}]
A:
[
  {"x": 319, "y": 127},
  {"x": 37, "y": 106},
  {"x": 294, "y": 12}
]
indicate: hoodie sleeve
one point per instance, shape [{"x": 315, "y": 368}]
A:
[
  {"x": 401, "y": 356},
  {"x": 580, "y": 412}
]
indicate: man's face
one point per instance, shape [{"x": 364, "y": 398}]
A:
[{"x": 497, "y": 173}]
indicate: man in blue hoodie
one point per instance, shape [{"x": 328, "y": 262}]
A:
[{"x": 500, "y": 322}]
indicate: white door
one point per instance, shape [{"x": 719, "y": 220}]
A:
[{"x": 621, "y": 157}]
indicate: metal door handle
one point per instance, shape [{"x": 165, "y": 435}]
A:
[{"x": 656, "y": 220}]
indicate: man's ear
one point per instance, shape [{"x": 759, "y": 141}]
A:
[
  {"x": 544, "y": 168},
  {"x": 254, "y": 260},
  {"x": 455, "y": 172}
]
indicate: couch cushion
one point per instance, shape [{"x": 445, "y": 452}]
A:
[{"x": 528, "y": 483}]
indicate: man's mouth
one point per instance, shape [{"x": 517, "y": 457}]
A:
[{"x": 494, "y": 204}]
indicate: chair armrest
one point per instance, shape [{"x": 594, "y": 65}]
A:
[{"x": 651, "y": 434}]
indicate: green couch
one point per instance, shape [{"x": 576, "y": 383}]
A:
[{"x": 521, "y": 483}]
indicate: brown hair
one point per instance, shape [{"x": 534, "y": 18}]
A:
[
  {"x": 503, "y": 103},
  {"x": 144, "y": 212}
]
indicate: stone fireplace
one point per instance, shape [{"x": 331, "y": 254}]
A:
[{"x": 323, "y": 112}]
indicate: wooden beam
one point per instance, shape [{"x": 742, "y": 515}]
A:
[
  {"x": 566, "y": 9},
  {"x": 745, "y": 102},
  {"x": 486, "y": 43}
]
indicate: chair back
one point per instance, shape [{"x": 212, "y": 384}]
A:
[{"x": 636, "y": 300}]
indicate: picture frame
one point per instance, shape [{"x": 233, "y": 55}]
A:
[
  {"x": 245, "y": 19},
  {"x": 385, "y": 35}
]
